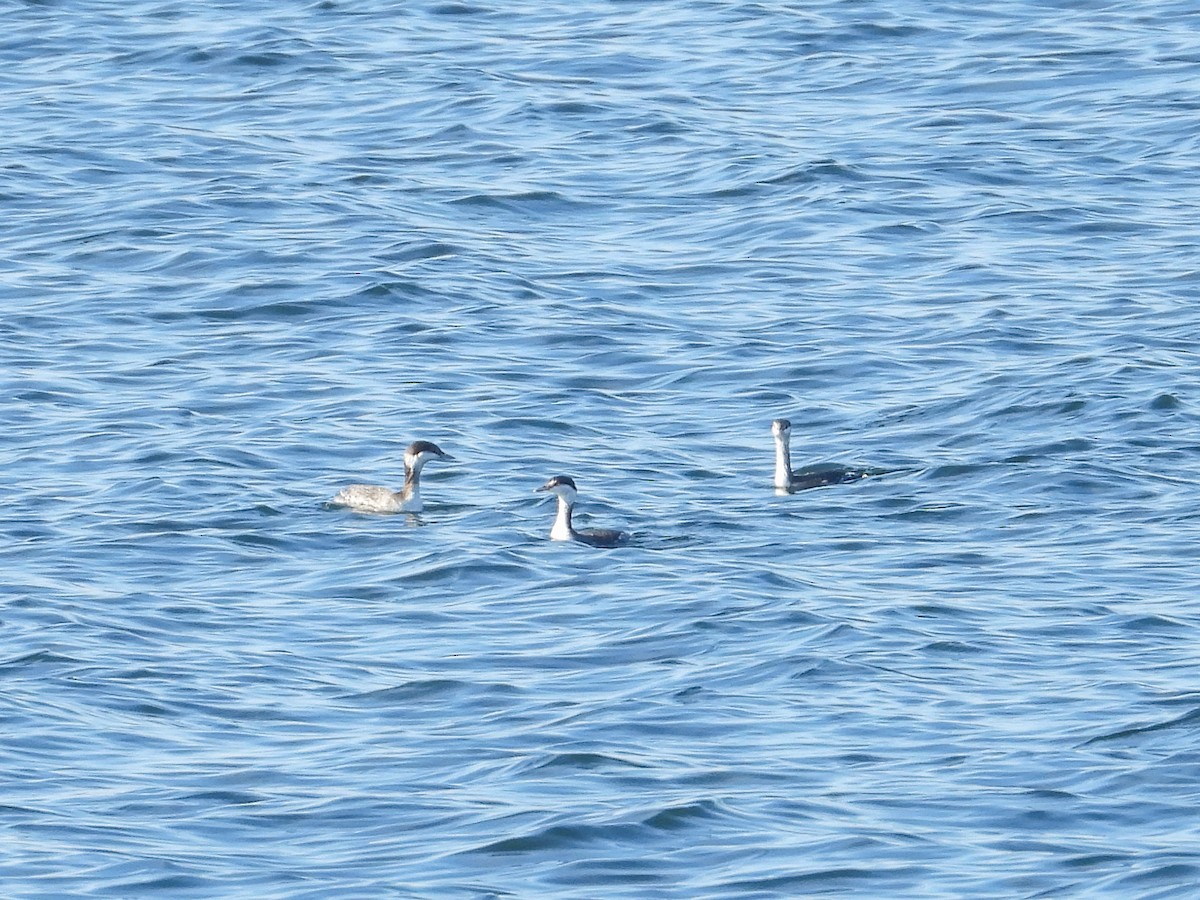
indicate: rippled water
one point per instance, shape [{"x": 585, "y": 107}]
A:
[{"x": 251, "y": 251}]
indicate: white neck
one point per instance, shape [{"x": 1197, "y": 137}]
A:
[
  {"x": 783, "y": 462},
  {"x": 410, "y": 497},
  {"x": 562, "y": 522}
]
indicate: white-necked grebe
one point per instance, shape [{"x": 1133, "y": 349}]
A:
[
  {"x": 371, "y": 498},
  {"x": 564, "y": 488},
  {"x": 788, "y": 481}
]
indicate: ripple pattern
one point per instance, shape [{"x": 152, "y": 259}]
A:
[{"x": 250, "y": 252}]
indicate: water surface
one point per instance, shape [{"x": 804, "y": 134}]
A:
[{"x": 251, "y": 252}]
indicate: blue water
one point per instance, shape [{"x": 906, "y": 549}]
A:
[{"x": 251, "y": 250}]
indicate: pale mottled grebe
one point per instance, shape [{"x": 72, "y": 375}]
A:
[
  {"x": 564, "y": 488},
  {"x": 786, "y": 480},
  {"x": 371, "y": 498}
]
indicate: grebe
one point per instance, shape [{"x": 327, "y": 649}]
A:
[
  {"x": 788, "y": 481},
  {"x": 370, "y": 498},
  {"x": 563, "y": 487}
]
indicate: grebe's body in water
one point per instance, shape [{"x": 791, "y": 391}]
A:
[
  {"x": 371, "y": 498},
  {"x": 564, "y": 488},
  {"x": 787, "y": 481}
]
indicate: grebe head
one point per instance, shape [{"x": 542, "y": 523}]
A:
[
  {"x": 421, "y": 452},
  {"x": 562, "y": 486},
  {"x": 781, "y": 428}
]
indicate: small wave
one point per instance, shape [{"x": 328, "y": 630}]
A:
[
  {"x": 559, "y": 837},
  {"x": 818, "y": 881},
  {"x": 425, "y": 250},
  {"x": 685, "y": 815},
  {"x": 553, "y": 838},
  {"x": 38, "y": 657},
  {"x": 428, "y": 689},
  {"x": 581, "y": 761},
  {"x": 812, "y": 173},
  {"x": 520, "y": 200},
  {"x": 461, "y": 9},
  {"x": 1187, "y": 720}
]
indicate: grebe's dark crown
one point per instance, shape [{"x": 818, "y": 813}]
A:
[
  {"x": 559, "y": 481},
  {"x": 416, "y": 448}
]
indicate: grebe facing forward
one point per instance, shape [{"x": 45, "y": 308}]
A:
[
  {"x": 370, "y": 498},
  {"x": 788, "y": 481},
  {"x": 563, "y": 487}
]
